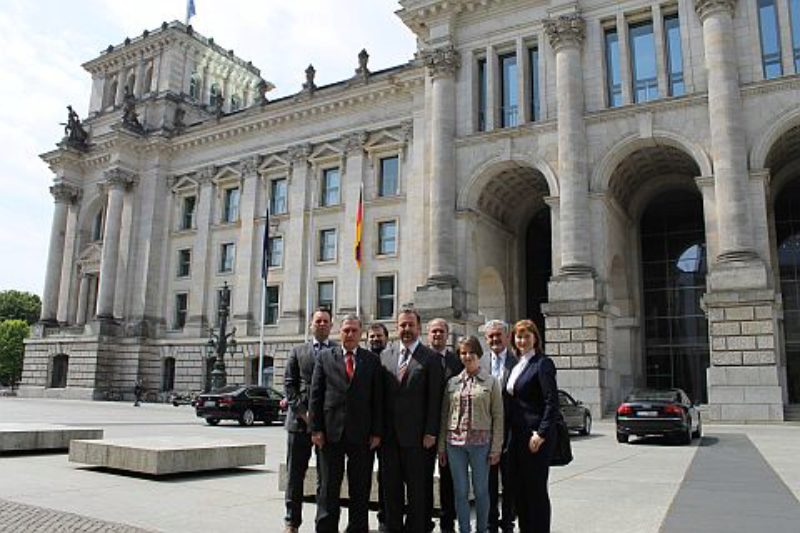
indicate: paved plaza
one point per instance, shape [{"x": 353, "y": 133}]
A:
[{"x": 736, "y": 479}]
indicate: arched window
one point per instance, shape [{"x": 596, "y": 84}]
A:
[
  {"x": 131, "y": 83},
  {"x": 168, "y": 375},
  {"x": 212, "y": 95},
  {"x": 97, "y": 227},
  {"x": 148, "y": 79},
  {"x": 111, "y": 94},
  {"x": 58, "y": 376},
  {"x": 236, "y": 102},
  {"x": 194, "y": 86}
]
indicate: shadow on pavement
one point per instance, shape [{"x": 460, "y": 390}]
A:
[{"x": 180, "y": 476}]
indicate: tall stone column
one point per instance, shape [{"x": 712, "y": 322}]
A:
[
  {"x": 246, "y": 291},
  {"x": 64, "y": 194},
  {"x": 202, "y": 256},
  {"x": 352, "y": 177},
  {"x": 566, "y": 33},
  {"x": 115, "y": 184},
  {"x": 66, "y": 287},
  {"x": 442, "y": 64},
  {"x": 83, "y": 295},
  {"x": 302, "y": 185},
  {"x": 728, "y": 143}
]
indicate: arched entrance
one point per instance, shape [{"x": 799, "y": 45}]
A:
[
  {"x": 658, "y": 239},
  {"x": 784, "y": 165},
  {"x": 514, "y": 252}
]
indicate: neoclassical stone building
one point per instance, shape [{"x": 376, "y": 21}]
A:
[{"x": 626, "y": 173}]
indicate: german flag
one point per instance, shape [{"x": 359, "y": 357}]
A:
[{"x": 359, "y": 227}]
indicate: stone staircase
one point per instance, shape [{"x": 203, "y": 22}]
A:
[{"x": 791, "y": 412}]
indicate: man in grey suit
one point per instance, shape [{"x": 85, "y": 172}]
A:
[
  {"x": 413, "y": 401},
  {"x": 297, "y": 384},
  {"x": 346, "y": 405},
  {"x": 499, "y": 365}
]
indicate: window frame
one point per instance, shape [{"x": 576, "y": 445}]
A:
[
  {"x": 612, "y": 50},
  {"x": 650, "y": 85},
  {"x": 512, "y": 120},
  {"x": 379, "y": 296},
  {"x": 381, "y": 169},
  {"x": 270, "y": 243},
  {"x": 179, "y": 271},
  {"x": 379, "y": 248},
  {"x": 672, "y": 22},
  {"x": 775, "y": 58},
  {"x": 268, "y": 305},
  {"x": 231, "y": 214},
  {"x": 273, "y": 185},
  {"x": 332, "y": 283},
  {"x": 482, "y": 92},
  {"x": 223, "y": 256},
  {"x": 182, "y": 220},
  {"x": 327, "y": 231},
  {"x": 324, "y": 186},
  {"x": 180, "y": 316}
]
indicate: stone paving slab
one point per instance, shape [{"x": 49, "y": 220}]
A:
[
  {"x": 166, "y": 455},
  {"x": 22, "y": 518},
  {"x": 21, "y": 437}
]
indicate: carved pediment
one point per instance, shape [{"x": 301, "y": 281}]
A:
[
  {"x": 185, "y": 184},
  {"x": 227, "y": 175},
  {"x": 325, "y": 152},
  {"x": 384, "y": 139},
  {"x": 273, "y": 163}
]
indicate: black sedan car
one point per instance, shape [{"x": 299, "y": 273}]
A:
[
  {"x": 667, "y": 412},
  {"x": 576, "y": 415},
  {"x": 245, "y": 403}
]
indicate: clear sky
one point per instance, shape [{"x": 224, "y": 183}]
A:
[{"x": 44, "y": 42}]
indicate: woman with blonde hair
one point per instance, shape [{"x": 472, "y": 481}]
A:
[
  {"x": 471, "y": 435},
  {"x": 533, "y": 414}
]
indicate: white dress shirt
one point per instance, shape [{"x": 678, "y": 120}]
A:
[{"x": 520, "y": 367}]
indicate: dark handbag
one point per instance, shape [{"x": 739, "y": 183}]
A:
[{"x": 562, "y": 452}]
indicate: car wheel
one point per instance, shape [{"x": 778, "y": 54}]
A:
[
  {"x": 247, "y": 418},
  {"x": 622, "y": 438},
  {"x": 699, "y": 432},
  {"x": 686, "y": 438},
  {"x": 587, "y": 425},
  {"x": 212, "y": 421}
]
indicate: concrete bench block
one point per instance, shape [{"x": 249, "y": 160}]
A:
[
  {"x": 166, "y": 455},
  {"x": 44, "y": 437}
]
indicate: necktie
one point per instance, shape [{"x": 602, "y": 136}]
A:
[
  {"x": 403, "y": 366},
  {"x": 349, "y": 365},
  {"x": 496, "y": 370}
]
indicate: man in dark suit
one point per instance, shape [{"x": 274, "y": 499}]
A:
[
  {"x": 438, "y": 334},
  {"x": 297, "y": 384},
  {"x": 346, "y": 406},
  {"x": 499, "y": 365},
  {"x": 413, "y": 401},
  {"x": 377, "y": 337}
]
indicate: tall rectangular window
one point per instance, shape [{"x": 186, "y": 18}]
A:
[
  {"x": 534, "y": 60},
  {"x": 330, "y": 187},
  {"x": 390, "y": 169},
  {"x": 184, "y": 262},
  {"x": 483, "y": 91},
  {"x": 271, "y": 305},
  {"x": 277, "y": 196},
  {"x": 181, "y": 308},
  {"x": 384, "y": 308},
  {"x": 770, "y": 39},
  {"x": 325, "y": 294},
  {"x": 643, "y": 62},
  {"x": 227, "y": 256},
  {"x": 327, "y": 245},
  {"x": 509, "y": 90},
  {"x": 187, "y": 212},
  {"x": 387, "y": 238},
  {"x": 275, "y": 251},
  {"x": 794, "y": 10},
  {"x": 613, "y": 68},
  {"x": 672, "y": 33},
  {"x": 230, "y": 212}
]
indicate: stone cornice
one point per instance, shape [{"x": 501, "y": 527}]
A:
[
  {"x": 441, "y": 61},
  {"x": 565, "y": 30},
  {"x": 417, "y": 14},
  {"x": 706, "y": 8}
]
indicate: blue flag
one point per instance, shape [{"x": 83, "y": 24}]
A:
[{"x": 190, "y": 12}]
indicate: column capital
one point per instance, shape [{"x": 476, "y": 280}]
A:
[
  {"x": 117, "y": 178},
  {"x": 249, "y": 165},
  {"x": 354, "y": 142},
  {"x": 565, "y": 30},
  {"x": 706, "y": 8},
  {"x": 442, "y": 61},
  {"x": 206, "y": 174},
  {"x": 65, "y": 193},
  {"x": 299, "y": 153}
]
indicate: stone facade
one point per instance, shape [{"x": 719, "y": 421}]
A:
[{"x": 503, "y": 207}]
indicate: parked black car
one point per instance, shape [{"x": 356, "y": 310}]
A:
[
  {"x": 245, "y": 403},
  {"x": 576, "y": 415},
  {"x": 667, "y": 412}
]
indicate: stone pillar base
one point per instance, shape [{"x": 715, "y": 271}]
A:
[
  {"x": 440, "y": 300},
  {"x": 746, "y": 376}
]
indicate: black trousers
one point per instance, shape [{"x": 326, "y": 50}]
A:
[
  {"x": 331, "y": 468},
  {"x": 404, "y": 476},
  {"x": 501, "y": 473},
  {"x": 531, "y": 472},
  {"x": 298, "y": 452},
  {"x": 447, "y": 502},
  {"x": 381, "y": 489}
]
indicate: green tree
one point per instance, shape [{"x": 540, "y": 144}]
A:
[
  {"x": 20, "y": 305},
  {"x": 12, "y": 348}
]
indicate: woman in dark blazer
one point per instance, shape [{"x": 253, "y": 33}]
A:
[{"x": 533, "y": 414}]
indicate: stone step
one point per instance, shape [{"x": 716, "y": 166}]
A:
[
  {"x": 158, "y": 456},
  {"x": 42, "y": 437},
  {"x": 791, "y": 412}
]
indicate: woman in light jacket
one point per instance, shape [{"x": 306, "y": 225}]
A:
[
  {"x": 533, "y": 412},
  {"x": 471, "y": 436}
]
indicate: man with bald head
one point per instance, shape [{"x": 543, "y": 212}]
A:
[{"x": 438, "y": 335}]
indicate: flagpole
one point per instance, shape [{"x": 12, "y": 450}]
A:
[{"x": 264, "y": 270}]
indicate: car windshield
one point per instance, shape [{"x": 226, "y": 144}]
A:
[{"x": 653, "y": 395}]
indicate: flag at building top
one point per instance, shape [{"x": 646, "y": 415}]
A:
[
  {"x": 190, "y": 11},
  {"x": 359, "y": 227}
]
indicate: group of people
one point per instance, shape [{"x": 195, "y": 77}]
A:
[{"x": 488, "y": 418}]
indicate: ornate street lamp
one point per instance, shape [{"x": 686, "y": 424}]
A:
[{"x": 219, "y": 343}]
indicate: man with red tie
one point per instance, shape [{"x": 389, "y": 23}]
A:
[{"x": 346, "y": 408}]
